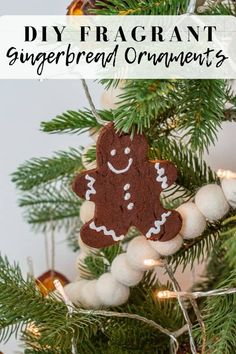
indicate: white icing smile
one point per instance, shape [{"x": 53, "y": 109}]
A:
[{"x": 114, "y": 170}]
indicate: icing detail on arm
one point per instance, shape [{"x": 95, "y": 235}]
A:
[
  {"x": 90, "y": 184},
  {"x": 106, "y": 232},
  {"x": 158, "y": 223},
  {"x": 116, "y": 171},
  {"x": 161, "y": 175}
]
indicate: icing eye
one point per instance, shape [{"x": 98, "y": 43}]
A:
[
  {"x": 113, "y": 152},
  {"x": 127, "y": 150}
]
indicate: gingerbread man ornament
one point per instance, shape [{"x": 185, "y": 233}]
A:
[{"x": 125, "y": 188}]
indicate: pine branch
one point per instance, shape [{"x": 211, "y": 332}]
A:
[
  {"x": 136, "y": 7},
  {"x": 220, "y": 320},
  {"x": 221, "y": 9},
  {"x": 228, "y": 245},
  {"x": 13, "y": 290},
  {"x": 22, "y": 304},
  {"x": 75, "y": 122},
  {"x": 194, "y": 108},
  {"x": 143, "y": 101},
  {"x": 53, "y": 203},
  {"x": 45, "y": 170},
  {"x": 99, "y": 262},
  {"x": 198, "y": 249},
  {"x": 201, "y": 111}
]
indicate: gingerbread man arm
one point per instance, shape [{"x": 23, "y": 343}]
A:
[
  {"x": 85, "y": 184},
  {"x": 165, "y": 173}
]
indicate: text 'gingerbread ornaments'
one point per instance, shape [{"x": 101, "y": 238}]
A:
[{"x": 125, "y": 188}]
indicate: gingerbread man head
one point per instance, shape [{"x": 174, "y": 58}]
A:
[{"x": 120, "y": 153}]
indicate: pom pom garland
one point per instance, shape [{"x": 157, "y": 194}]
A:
[
  {"x": 88, "y": 295},
  {"x": 194, "y": 222},
  {"x": 122, "y": 272},
  {"x": 167, "y": 248},
  {"x": 73, "y": 291},
  {"x": 110, "y": 291},
  {"x": 211, "y": 201},
  {"x": 138, "y": 251},
  {"x": 127, "y": 269},
  {"x": 229, "y": 189}
]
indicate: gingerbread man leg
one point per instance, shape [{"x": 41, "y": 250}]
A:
[
  {"x": 163, "y": 227},
  {"x": 98, "y": 234}
]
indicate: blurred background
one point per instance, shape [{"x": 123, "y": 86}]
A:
[{"x": 23, "y": 105}]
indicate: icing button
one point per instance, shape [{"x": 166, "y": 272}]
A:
[
  {"x": 126, "y": 187},
  {"x": 130, "y": 206},
  {"x": 127, "y": 196}
]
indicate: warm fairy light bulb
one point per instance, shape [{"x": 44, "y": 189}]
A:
[
  {"x": 226, "y": 174},
  {"x": 163, "y": 294},
  {"x": 152, "y": 262},
  {"x": 149, "y": 262}
]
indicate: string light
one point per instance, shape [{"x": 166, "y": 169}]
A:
[
  {"x": 153, "y": 263},
  {"x": 70, "y": 309},
  {"x": 166, "y": 294},
  {"x": 226, "y": 174}
]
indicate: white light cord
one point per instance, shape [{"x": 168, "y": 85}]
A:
[
  {"x": 177, "y": 289},
  {"x": 92, "y": 106},
  {"x": 195, "y": 295},
  {"x": 70, "y": 309},
  {"x": 191, "y": 7}
]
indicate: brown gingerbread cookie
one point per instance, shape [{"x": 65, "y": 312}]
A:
[{"x": 125, "y": 188}]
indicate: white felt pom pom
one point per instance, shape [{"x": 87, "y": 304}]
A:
[
  {"x": 229, "y": 189},
  {"x": 194, "y": 222},
  {"x": 167, "y": 248},
  {"x": 88, "y": 165},
  {"x": 138, "y": 251},
  {"x": 89, "y": 297},
  {"x": 110, "y": 291},
  {"x": 121, "y": 271},
  {"x": 74, "y": 291},
  {"x": 87, "y": 211},
  {"x": 211, "y": 201},
  {"x": 109, "y": 99}
]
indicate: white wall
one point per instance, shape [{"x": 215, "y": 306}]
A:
[{"x": 23, "y": 105}]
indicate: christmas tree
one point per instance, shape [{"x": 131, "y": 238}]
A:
[{"x": 117, "y": 304}]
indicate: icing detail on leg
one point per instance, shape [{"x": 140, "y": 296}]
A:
[
  {"x": 161, "y": 176},
  {"x": 106, "y": 232},
  {"x": 90, "y": 184},
  {"x": 158, "y": 223}
]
